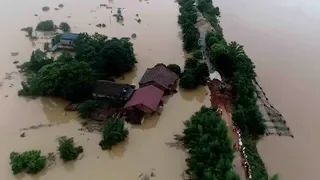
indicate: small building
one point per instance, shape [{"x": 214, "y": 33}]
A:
[
  {"x": 68, "y": 39},
  {"x": 161, "y": 77},
  {"x": 146, "y": 99},
  {"x": 108, "y": 90}
]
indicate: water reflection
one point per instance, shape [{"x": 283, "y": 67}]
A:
[
  {"x": 198, "y": 94},
  {"x": 118, "y": 150},
  {"x": 53, "y": 109}
]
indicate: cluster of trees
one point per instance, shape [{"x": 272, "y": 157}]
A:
[
  {"x": 67, "y": 149},
  {"x": 194, "y": 74},
  {"x": 114, "y": 132},
  {"x": 72, "y": 77},
  {"x": 187, "y": 20},
  {"x": 108, "y": 57},
  {"x": 206, "y": 138},
  {"x": 231, "y": 60},
  {"x": 211, "y": 13},
  {"x": 30, "y": 161},
  {"x": 33, "y": 162},
  {"x": 46, "y": 25}
]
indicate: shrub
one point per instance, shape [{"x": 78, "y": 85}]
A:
[
  {"x": 47, "y": 25},
  {"x": 67, "y": 149},
  {"x": 174, "y": 68},
  {"x": 86, "y": 108},
  {"x": 113, "y": 133},
  {"x": 31, "y": 161},
  {"x": 64, "y": 27}
]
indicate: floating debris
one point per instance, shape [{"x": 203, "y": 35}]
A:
[
  {"x": 138, "y": 20},
  {"x": 14, "y": 53},
  {"x": 137, "y": 15},
  {"x": 45, "y": 8},
  {"x": 101, "y": 25},
  {"x": 61, "y": 5},
  {"x": 23, "y": 135},
  {"x": 68, "y": 16},
  {"x": 6, "y": 96},
  {"x": 56, "y": 9},
  {"x": 15, "y": 62},
  {"x": 134, "y": 35},
  {"x": 119, "y": 15},
  {"x": 35, "y": 14},
  {"x": 103, "y": 5},
  {"x": 37, "y": 126}
]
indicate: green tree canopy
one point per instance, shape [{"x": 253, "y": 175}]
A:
[
  {"x": 67, "y": 149},
  {"x": 64, "y": 27},
  {"x": 47, "y": 25},
  {"x": 113, "y": 133},
  {"x": 188, "y": 79},
  {"x": 31, "y": 161},
  {"x": 174, "y": 68},
  {"x": 107, "y": 58},
  {"x": 37, "y": 60},
  {"x": 70, "y": 80}
]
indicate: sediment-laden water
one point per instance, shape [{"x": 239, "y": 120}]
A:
[
  {"x": 146, "y": 150},
  {"x": 282, "y": 40}
]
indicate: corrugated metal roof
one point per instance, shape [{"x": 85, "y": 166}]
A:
[
  {"x": 149, "y": 96},
  {"x": 69, "y": 36},
  {"x": 215, "y": 75}
]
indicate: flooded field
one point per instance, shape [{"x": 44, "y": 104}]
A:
[
  {"x": 145, "y": 151},
  {"x": 282, "y": 39}
]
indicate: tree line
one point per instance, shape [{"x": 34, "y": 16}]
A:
[
  {"x": 195, "y": 73},
  {"x": 207, "y": 141},
  {"x": 72, "y": 77},
  {"x": 231, "y": 60}
]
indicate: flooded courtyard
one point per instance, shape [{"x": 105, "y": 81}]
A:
[{"x": 43, "y": 119}]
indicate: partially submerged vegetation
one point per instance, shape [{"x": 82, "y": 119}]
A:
[
  {"x": 30, "y": 161},
  {"x": 114, "y": 132},
  {"x": 174, "y": 68},
  {"x": 47, "y": 25},
  {"x": 194, "y": 74},
  {"x": 206, "y": 138},
  {"x": 187, "y": 20},
  {"x": 64, "y": 27},
  {"x": 231, "y": 60},
  {"x": 67, "y": 149},
  {"x": 29, "y": 30},
  {"x": 72, "y": 77}
]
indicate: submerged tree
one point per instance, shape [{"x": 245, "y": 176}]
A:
[
  {"x": 107, "y": 57},
  {"x": 31, "y": 161},
  {"x": 37, "y": 60},
  {"x": 113, "y": 133},
  {"x": 67, "y": 149},
  {"x": 70, "y": 80},
  {"x": 64, "y": 27},
  {"x": 47, "y": 25}
]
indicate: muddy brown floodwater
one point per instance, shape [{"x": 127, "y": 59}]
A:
[
  {"x": 282, "y": 38},
  {"x": 146, "y": 150}
]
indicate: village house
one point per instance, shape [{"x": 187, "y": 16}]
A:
[
  {"x": 68, "y": 39},
  {"x": 146, "y": 99},
  {"x": 108, "y": 90},
  {"x": 161, "y": 77}
]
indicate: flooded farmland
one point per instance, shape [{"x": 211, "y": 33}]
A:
[
  {"x": 43, "y": 119},
  {"x": 282, "y": 40}
]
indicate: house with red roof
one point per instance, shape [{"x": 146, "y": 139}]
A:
[
  {"x": 161, "y": 77},
  {"x": 146, "y": 99}
]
